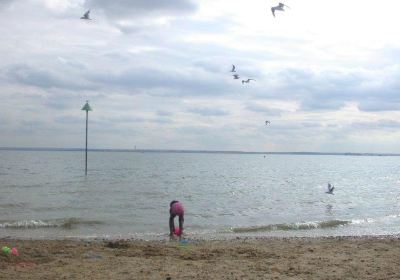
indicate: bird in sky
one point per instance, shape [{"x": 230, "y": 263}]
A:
[
  {"x": 267, "y": 122},
  {"x": 233, "y": 68},
  {"x": 280, "y": 7},
  {"x": 236, "y": 76},
  {"x": 330, "y": 189},
  {"x": 247, "y": 81},
  {"x": 86, "y": 15}
]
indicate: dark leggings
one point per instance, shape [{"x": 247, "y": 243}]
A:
[{"x": 172, "y": 224}]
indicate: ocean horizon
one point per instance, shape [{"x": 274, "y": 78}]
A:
[{"x": 49, "y": 149}]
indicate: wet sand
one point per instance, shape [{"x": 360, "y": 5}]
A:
[{"x": 267, "y": 258}]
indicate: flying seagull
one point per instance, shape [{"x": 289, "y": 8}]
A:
[
  {"x": 267, "y": 122},
  {"x": 233, "y": 68},
  {"x": 330, "y": 189},
  {"x": 278, "y": 8},
  {"x": 86, "y": 15},
  {"x": 236, "y": 76},
  {"x": 247, "y": 81}
]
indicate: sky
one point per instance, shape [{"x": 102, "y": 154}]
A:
[{"x": 157, "y": 75}]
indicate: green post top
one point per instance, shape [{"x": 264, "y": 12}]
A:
[{"x": 86, "y": 107}]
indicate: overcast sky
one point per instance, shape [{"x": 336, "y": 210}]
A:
[{"x": 157, "y": 74}]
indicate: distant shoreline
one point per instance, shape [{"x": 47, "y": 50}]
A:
[{"x": 49, "y": 149}]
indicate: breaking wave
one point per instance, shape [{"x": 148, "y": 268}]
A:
[
  {"x": 57, "y": 223},
  {"x": 293, "y": 226}
]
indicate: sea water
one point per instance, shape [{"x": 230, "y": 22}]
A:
[{"x": 45, "y": 194}]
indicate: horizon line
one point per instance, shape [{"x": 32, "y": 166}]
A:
[{"x": 50, "y": 149}]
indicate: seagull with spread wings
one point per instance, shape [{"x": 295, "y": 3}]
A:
[
  {"x": 86, "y": 15},
  {"x": 247, "y": 81},
  {"x": 330, "y": 189},
  {"x": 280, "y": 7}
]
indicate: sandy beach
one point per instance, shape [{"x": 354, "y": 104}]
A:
[{"x": 267, "y": 258}]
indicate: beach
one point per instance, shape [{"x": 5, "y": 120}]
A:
[{"x": 244, "y": 258}]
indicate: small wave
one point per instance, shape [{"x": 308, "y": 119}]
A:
[
  {"x": 57, "y": 223},
  {"x": 293, "y": 226},
  {"x": 13, "y": 205}
]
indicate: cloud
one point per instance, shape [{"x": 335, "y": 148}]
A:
[
  {"x": 70, "y": 120},
  {"x": 6, "y": 3},
  {"x": 389, "y": 124},
  {"x": 118, "y": 9},
  {"x": 32, "y": 125},
  {"x": 332, "y": 90},
  {"x": 129, "y": 120},
  {"x": 209, "y": 111},
  {"x": 254, "y": 107},
  {"x": 121, "y": 120},
  {"x": 46, "y": 79},
  {"x": 378, "y": 105},
  {"x": 376, "y": 125},
  {"x": 318, "y": 103},
  {"x": 163, "y": 113},
  {"x": 174, "y": 82}
]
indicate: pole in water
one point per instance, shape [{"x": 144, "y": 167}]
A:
[{"x": 86, "y": 108}]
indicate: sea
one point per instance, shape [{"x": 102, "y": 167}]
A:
[{"x": 46, "y": 194}]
